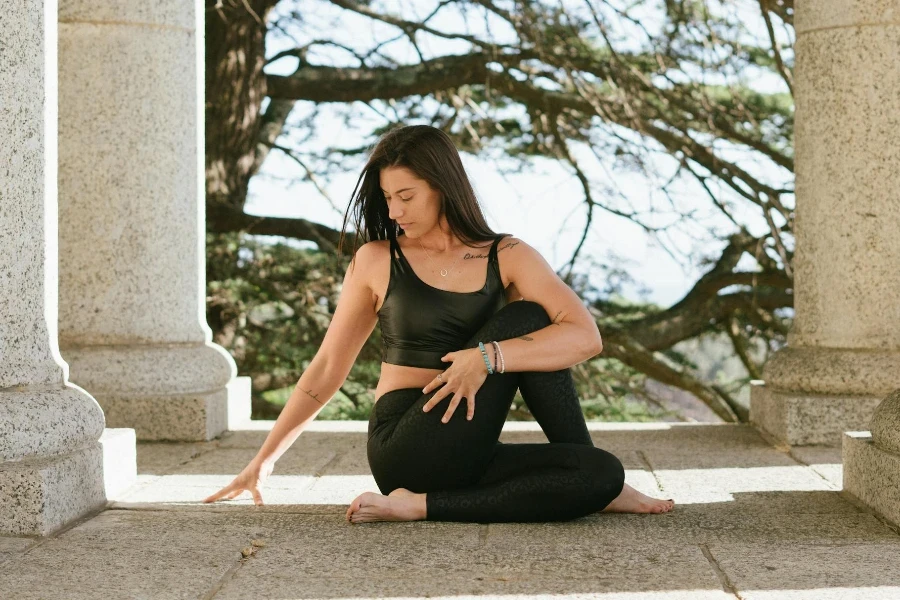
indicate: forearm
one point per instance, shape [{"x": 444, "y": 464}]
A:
[
  {"x": 312, "y": 392},
  {"x": 557, "y": 346}
]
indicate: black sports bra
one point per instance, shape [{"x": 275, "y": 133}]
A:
[{"x": 421, "y": 323}]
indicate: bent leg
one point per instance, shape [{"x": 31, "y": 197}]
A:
[
  {"x": 550, "y": 395},
  {"x": 534, "y": 482}
]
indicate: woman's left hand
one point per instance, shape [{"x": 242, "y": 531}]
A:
[{"x": 462, "y": 379}]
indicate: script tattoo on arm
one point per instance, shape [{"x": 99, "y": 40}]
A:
[
  {"x": 311, "y": 395},
  {"x": 554, "y": 322},
  {"x": 526, "y": 338}
]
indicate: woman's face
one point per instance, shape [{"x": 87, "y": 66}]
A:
[{"x": 411, "y": 201}]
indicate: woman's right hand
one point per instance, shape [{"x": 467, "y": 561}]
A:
[{"x": 251, "y": 478}]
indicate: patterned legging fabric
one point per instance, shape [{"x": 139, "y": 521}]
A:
[{"x": 466, "y": 472}]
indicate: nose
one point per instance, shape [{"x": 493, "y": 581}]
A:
[{"x": 393, "y": 212}]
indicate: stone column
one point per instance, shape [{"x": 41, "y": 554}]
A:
[
  {"x": 843, "y": 353},
  {"x": 51, "y": 452},
  {"x": 132, "y": 285}
]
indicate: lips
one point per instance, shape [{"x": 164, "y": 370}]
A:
[{"x": 404, "y": 225}]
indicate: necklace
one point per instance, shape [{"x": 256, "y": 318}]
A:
[{"x": 444, "y": 272}]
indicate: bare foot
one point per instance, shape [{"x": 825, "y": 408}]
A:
[
  {"x": 632, "y": 501},
  {"x": 399, "y": 505}
]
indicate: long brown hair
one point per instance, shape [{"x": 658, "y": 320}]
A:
[{"x": 430, "y": 154}]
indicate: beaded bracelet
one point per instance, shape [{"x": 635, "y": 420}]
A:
[
  {"x": 484, "y": 355},
  {"x": 499, "y": 356}
]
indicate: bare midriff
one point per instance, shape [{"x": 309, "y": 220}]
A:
[{"x": 396, "y": 377}]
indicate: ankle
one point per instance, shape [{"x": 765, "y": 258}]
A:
[{"x": 421, "y": 506}]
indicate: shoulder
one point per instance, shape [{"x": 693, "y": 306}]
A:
[
  {"x": 515, "y": 257},
  {"x": 373, "y": 251},
  {"x": 514, "y": 249},
  {"x": 370, "y": 255}
]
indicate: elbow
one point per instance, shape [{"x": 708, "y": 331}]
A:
[{"x": 595, "y": 346}]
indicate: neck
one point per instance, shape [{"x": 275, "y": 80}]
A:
[{"x": 439, "y": 239}]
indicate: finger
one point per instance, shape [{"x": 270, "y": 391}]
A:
[
  {"x": 257, "y": 497},
  {"x": 433, "y": 401},
  {"x": 470, "y": 402},
  {"x": 234, "y": 494},
  {"x": 431, "y": 385},
  {"x": 452, "y": 408},
  {"x": 218, "y": 494}
]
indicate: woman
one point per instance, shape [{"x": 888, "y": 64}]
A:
[{"x": 465, "y": 319}]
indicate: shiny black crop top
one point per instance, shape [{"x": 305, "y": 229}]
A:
[{"x": 421, "y": 323}]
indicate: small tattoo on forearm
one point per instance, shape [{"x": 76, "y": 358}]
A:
[
  {"x": 526, "y": 338},
  {"x": 556, "y": 317},
  {"x": 310, "y": 394}
]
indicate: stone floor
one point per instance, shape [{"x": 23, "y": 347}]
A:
[{"x": 752, "y": 521}]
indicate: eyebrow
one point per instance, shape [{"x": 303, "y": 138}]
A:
[{"x": 398, "y": 191}]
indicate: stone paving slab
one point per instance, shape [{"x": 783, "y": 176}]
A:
[
  {"x": 720, "y": 484},
  {"x": 412, "y": 571},
  {"x": 158, "y": 458},
  {"x": 692, "y": 527},
  {"x": 841, "y": 571},
  {"x": 10, "y": 547},
  {"x": 824, "y": 460},
  {"x": 120, "y": 554}
]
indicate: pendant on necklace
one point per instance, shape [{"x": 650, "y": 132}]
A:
[{"x": 443, "y": 272}]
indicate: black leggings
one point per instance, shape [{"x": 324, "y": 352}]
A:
[{"x": 467, "y": 473}]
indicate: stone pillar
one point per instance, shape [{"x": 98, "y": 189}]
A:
[
  {"x": 51, "y": 455},
  {"x": 132, "y": 283},
  {"x": 843, "y": 353}
]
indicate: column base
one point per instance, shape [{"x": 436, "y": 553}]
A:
[
  {"x": 871, "y": 475},
  {"x": 799, "y": 418},
  {"x": 38, "y": 496},
  {"x": 185, "y": 418},
  {"x": 186, "y": 393}
]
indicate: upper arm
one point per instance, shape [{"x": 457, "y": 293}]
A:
[
  {"x": 354, "y": 317},
  {"x": 536, "y": 281}
]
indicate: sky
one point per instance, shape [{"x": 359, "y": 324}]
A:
[{"x": 542, "y": 205}]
